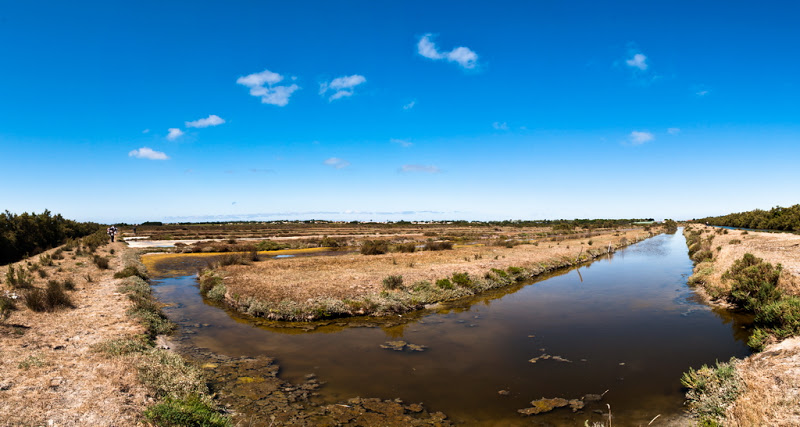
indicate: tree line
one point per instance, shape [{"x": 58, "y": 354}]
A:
[
  {"x": 29, "y": 234},
  {"x": 777, "y": 218}
]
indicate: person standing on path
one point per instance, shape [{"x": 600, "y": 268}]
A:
[{"x": 112, "y": 231}]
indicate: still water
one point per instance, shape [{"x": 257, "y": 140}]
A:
[{"x": 627, "y": 325}]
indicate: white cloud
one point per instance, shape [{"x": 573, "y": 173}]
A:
[
  {"x": 673, "y": 131},
  {"x": 174, "y": 133},
  {"x": 420, "y": 168},
  {"x": 263, "y": 85},
  {"x": 500, "y": 126},
  {"x": 638, "y": 138},
  {"x": 341, "y": 86},
  {"x": 337, "y": 163},
  {"x": 461, "y": 55},
  {"x": 638, "y": 61},
  {"x": 212, "y": 120},
  {"x": 401, "y": 142},
  {"x": 148, "y": 153},
  {"x": 410, "y": 105},
  {"x": 146, "y": 131},
  {"x": 701, "y": 93}
]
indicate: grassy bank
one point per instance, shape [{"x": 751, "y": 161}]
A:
[
  {"x": 728, "y": 273},
  {"x": 183, "y": 398},
  {"x": 306, "y": 289}
]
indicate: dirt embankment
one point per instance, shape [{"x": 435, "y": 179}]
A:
[
  {"x": 771, "y": 378},
  {"x": 354, "y": 284},
  {"x": 50, "y": 373}
]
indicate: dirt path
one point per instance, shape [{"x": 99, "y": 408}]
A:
[{"x": 50, "y": 373}]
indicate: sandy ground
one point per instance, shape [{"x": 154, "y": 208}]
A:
[
  {"x": 771, "y": 377},
  {"x": 356, "y": 275},
  {"x": 49, "y": 374}
]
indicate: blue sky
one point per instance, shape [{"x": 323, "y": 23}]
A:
[{"x": 181, "y": 111}]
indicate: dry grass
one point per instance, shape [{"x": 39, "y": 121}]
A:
[
  {"x": 772, "y": 377},
  {"x": 775, "y": 248},
  {"x": 353, "y": 276},
  {"x": 772, "y": 388},
  {"x": 50, "y": 373}
]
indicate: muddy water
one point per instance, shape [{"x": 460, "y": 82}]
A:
[{"x": 627, "y": 324}]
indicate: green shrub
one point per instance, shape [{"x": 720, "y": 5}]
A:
[
  {"x": 734, "y": 242},
  {"x": 515, "y": 270},
  {"x": 190, "y": 411},
  {"x": 217, "y": 293},
  {"x": 711, "y": 390},
  {"x": 702, "y": 255},
  {"x": 122, "y": 346},
  {"x": 328, "y": 242},
  {"x": 500, "y": 273},
  {"x": 393, "y": 282},
  {"x": 444, "y": 284},
  {"x": 462, "y": 279},
  {"x": 269, "y": 245},
  {"x": 374, "y": 247},
  {"x": 754, "y": 282}
]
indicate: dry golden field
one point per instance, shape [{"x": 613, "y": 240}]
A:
[{"x": 354, "y": 275}]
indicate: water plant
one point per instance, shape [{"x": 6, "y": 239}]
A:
[
  {"x": 711, "y": 390},
  {"x": 393, "y": 282}
]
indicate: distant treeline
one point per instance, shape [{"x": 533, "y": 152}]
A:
[
  {"x": 777, "y": 218},
  {"x": 559, "y": 223},
  {"x": 29, "y": 234}
]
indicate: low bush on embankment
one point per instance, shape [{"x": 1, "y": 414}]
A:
[
  {"x": 184, "y": 397},
  {"x": 306, "y": 289}
]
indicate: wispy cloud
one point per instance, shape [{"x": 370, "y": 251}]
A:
[
  {"x": 639, "y": 60},
  {"x": 410, "y": 105},
  {"x": 639, "y": 137},
  {"x": 174, "y": 133},
  {"x": 262, "y": 170},
  {"x": 337, "y": 163},
  {"x": 148, "y": 153},
  {"x": 212, "y": 120},
  {"x": 701, "y": 93},
  {"x": 500, "y": 126},
  {"x": 401, "y": 142},
  {"x": 146, "y": 131},
  {"x": 673, "y": 131},
  {"x": 463, "y": 56},
  {"x": 265, "y": 85},
  {"x": 341, "y": 86},
  {"x": 420, "y": 168}
]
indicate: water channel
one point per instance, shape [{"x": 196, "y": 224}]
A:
[{"x": 627, "y": 325}]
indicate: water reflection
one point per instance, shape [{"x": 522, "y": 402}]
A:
[{"x": 628, "y": 324}]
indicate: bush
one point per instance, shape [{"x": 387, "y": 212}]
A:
[
  {"x": 711, "y": 390},
  {"x": 444, "y": 284},
  {"x": 190, "y": 411},
  {"x": 7, "y": 305},
  {"x": 328, "y": 242},
  {"x": 68, "y": 284},
  {"x": 462, "y": 279},
  {"x": 393, "y": 282},
  {"x": 269, "y": 245},
  {"x": 438, "y": 246},
  {"x": 374, "y": 247},
  {"x": 734, "y": 242},
  {"x": 100, "y": 262},
  {"x": 754, "y": 282},
  {"x": 35, "y": 300},
  {"x": 406, "y": 247},
  {"x": 55, "y": 297},
  {"x": 18, "y": 278}
]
